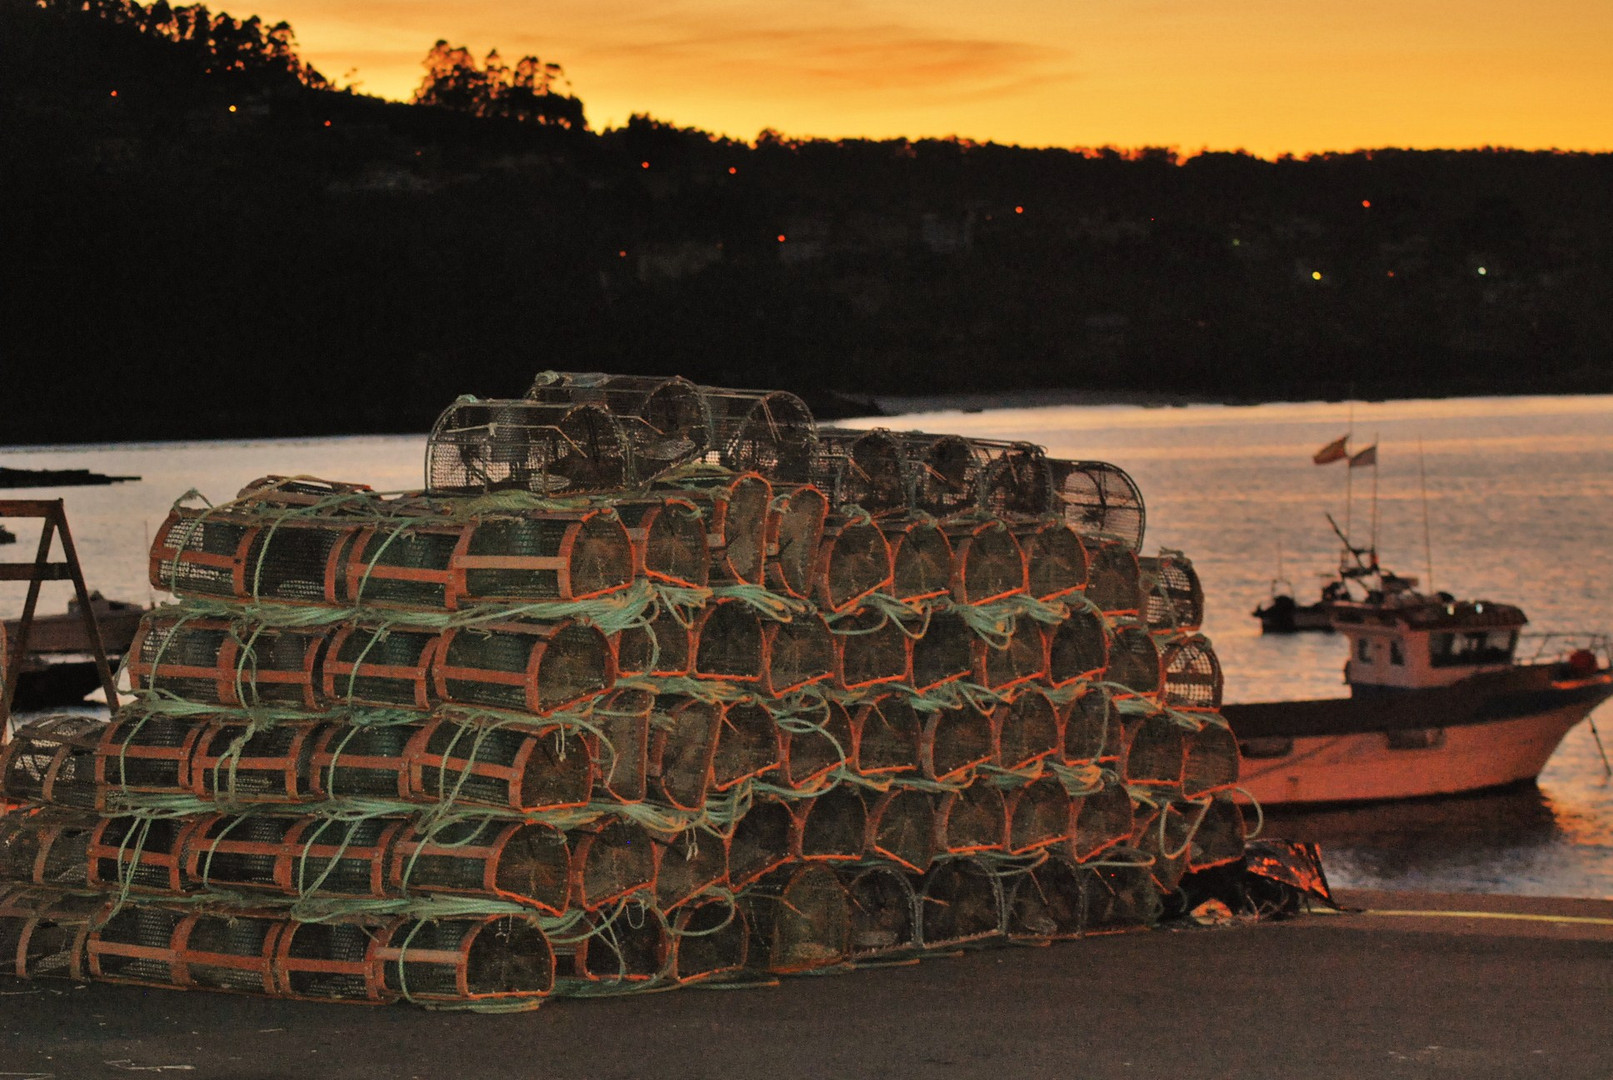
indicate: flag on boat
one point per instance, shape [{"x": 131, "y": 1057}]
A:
[
  {"x": 1369, "y": 456},
  {"x": 1333, "y": 451}
]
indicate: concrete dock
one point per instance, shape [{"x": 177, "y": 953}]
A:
[{"x": 1409, "y": 985}]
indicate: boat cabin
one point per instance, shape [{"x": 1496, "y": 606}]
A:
[{"x": 1412, "y": 642}]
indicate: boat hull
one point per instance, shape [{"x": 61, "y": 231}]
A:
[{"x": 1490, "y": 731}]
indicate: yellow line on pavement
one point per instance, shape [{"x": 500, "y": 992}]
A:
[{"x": 1588, "y": 920}]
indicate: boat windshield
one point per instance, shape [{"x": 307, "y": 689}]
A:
[{"x": 1471, "y": 647}]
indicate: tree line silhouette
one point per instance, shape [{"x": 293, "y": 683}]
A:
[{"x": 208, "y": 238}]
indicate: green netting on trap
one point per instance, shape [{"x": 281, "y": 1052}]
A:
[
  {"x": 883, "y": 909},
  {"x": 239, "y": 762},
  {"x": 710, "y": 938},
  {"x": 46, "y": 847},
  {"x": 1173, "y": 597},
  {"x": 1100, "y": 501},
  {"x": 610, "y": 860},
  {"x": 1093, "y": 730},
  {"x": 865, "y": 469},
  {"x": 971, "y": 820},
  {"x": 871, "y": 648},
  {"x": 902, "y": 827},
  {"x": 350, "y": 761},
  {"x": 525, "y": 862},
  {"x": 1047, "y": 902},
  {"x": 794, "y": 534},
  {"x": 149, "y": 752},
  {"x": 953, "y": 741},
  {"x": 1055, "y": 558},
  {"x": 1028, "y": 729},
  {"x": 960, "y": 900},
  {"x": 768, "y": 431},
  {"x": 887, "y": 728},
  {"x": 800, "y": 919},
  {"x": 151, "y": 945},
  {"x": 1077, "y": 648},
  {"x": 669, "y": 540},
  {"x": 987, "y": 563},
  {"x": 831, "y": 827},
  {"x": 328, "y": 961},
  {"x": 377, "y": 665},
  {"x": 688, "y": 864},
  {"x": 854, "y": 560},
  {"x": 1212, "y": 758},
  {"x": 295, "y": 856},
  {"x": 747, "y": 745},
  {"x": 472, "y": 959},
  {"x": 550, "y": 449},
  {"x": 729, "y": 643},
  {"x": 42, "y": 932},
  {"x": 527, "y": 667},
  {"x": 761, "y": 840},
  {"x": 525, "y": 767},
  {"x": 139, "y": 853},
  {"x": 683, "y": 745},
  {"x": 799, "y": 652},
  {"x": 621, "y": 749},
  {"x": 1192, "y": 674},
  {"x": 1041, "y": 814},
  {"x": 1104, "y": 820},
  {"x": 921, "y": 560},
  {"x": 1114, "y": 581},
  {"x": 218, "y": 662},
  {"x": 403, "y": 565},
  {"x": 203, "y": 553},
  {"x": 661, "y": 644}
]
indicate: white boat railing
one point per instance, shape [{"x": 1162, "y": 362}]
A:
[{"x": 1560, "y": 644}]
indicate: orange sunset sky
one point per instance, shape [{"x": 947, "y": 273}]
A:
[{"x": 1267, "y": 76}]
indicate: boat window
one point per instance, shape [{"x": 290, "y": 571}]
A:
[
  {"x": 1397, "y": 655},
  {"x": 1471, "y": 647},
  {"x": 1363, "y": 650}
]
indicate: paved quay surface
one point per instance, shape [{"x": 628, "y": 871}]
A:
[{"x": 1415, "y": 985}]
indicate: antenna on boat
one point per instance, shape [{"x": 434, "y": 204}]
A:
[
  {"x": 1428, "y": 544},
  {"x": 1374, "y": 491}
]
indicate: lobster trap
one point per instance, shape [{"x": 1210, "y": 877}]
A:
[
  {"x": 147, "y": 752},
  {"x": 953, "y": 741},
  {"x": 295, "y": 856},
  {"x": 552, "y": 556},
  {"x": 730, "y": 645},
  {"x": 47, "y": 847},
  {"x": 854, "y": 560},
  {"x": 1221, "y": 835},
  {"x": 960, "y": 901},
  {"x": 747, "y": 745},
  {"x": 242, "y": 762},
  {"x": 688, "y": 864},
  {"x": 404, "y": 565},
  {"x": 139, "y": 853},
  {"x": 1018, "y": 481},
  {"x": 683, "y": 746},
  {"x": 1156, "y": 750},
  {"x": 709, "y": 938},
  {"x": 886, "y": 730},
  {"x": 251, "y": 554},
  {"x": 52, "y": 760},
  {"x": 1173, "y": 596},
  {"x": 611, "y": 859},
  {"x": 1104, "y": 820},
  {"x": 203, "y": 553},
  {"x": 520, "y": 767},
  {"x": 360, "y": 761},
  {"x": 467, "y": 959},
  {"x": 735, "y": 511},
  {"x": 1164, "y": 832},
  {"x": 152, "y": 945},
  {"x": 831, "y": 827},
  {"x": 557, "y": 449},
  {"x": 871, "y": 648},
  {"x": 948, "y": 473},
  {"x": 1077, "y": 648},
  {"x": 799, "y": 652},
  {"x": 669, "y": 540},
  {"x": 971, "y": 820},
  {"x": 884, "y": 911},
  {"x": 1046, "y": 903},
  {"x": 621, "y": 948},
  {"x": 1099, "y": 500},
  {"x": 622, "y": 747},
  {"x": 329, "y": 961},
  {"x": 794, "y": 534},
  {"x": 945, "y": 653},
  {"x": 1055, "y": 559},
  {"x": 987, "y": 563},
  {"x": 661, "y": 643},
  {"x": 1041, "y": 814},
  {"x": 1021, "y": 657},
  {"x": 1093, "y": 731},
  {"x": 524, "y": 862},
  {"x": 815, "y": 739},
  {"x": 1114, "y": 580},
  {"x": 1212, "y": 758},
  {"x": 218, "y": 662},
  {"x": 1135, "y": 662},
  {"x": 766, "y": 431},
  {"x": 1118, "y": 895},
  {"x": 864, "y": 470},
  {"x": 42, "y": 932},
  {"x": 1192, "y": 674},
  {"x": 921, "y": 560},
  {"x": 377, "y": 665},
  {"x": 761, "y": 840},
  {"x": 526, "y": 667},
  {"x": 1029, "y": 729},
  {"x": 903, "y": 827},
  {"x": 800, "y": 919},
  {"x": 667, "y": 420}
]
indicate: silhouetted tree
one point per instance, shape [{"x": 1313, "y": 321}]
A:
[{"x": 527, "y": 93}]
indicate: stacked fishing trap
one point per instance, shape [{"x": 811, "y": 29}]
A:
[{"x": 653, "y": 684}]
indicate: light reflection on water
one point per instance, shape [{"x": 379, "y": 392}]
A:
[{"x": 1519, "y": 502}]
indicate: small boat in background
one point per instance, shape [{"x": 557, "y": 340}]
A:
[{"x": 60, "y": 668}]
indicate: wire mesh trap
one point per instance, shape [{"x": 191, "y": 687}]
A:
[
  {"x": 151, "y": 945},
  {"x": 141, "y": 853},
  {"x": 1029, "y": 729},
  {"x": 799, "y": 653},
  {"x": 523, "y": 767},
  {"x": 1173, "y": 596},
  {"x": 203, "y": 553},
  {"x": 946, "y": 652},
  {"x": 1192, "y": 674},
  {"x": 293, "y": 856},
  {"x": 1093, "y": 731},
  {"x": 669, "y": 540},
  {"x": 767, "y": 431},
  {"x": 1134, "y": 660},
  {"x": 871, "y": 648},
  {"x": 251, "y": 554},
  {"x": 1055, "y": 559},
  {"x": 52, "y": 760},
  {"x": 831, "y": 827},
  {"x": 987, "y": 563},
  {"x": 528, "y": 667},
  {"x": 549, "y": 449},
  {"x": 948, "y": 473},
  {"x": 960, "y": 901},
  {"x": 1104, "y": 820},
  {"x": 760, "y": 841},
  {"x": 730, "y": 645},
  {"x": 329, "y": 961},
  {"x": 623, "y": 948},
  {"x": 1212, "y": 758},
  {"x": 660, "y": 644},
  {"x": 887, "y": 730},
  {"x": 794, "y": 535},
  {"x": 218, "y": 662},
  {"x": 621, "y": 749},
  {"x": 47, "y": 847},
  {"x": 1114, "y": 579},
  {"x": 1118, "y": 895},
  {"x": 971, "y": 820},
  {"x": 42, "y": 931},
  {"x": 360, "y": 761},
  {"x": 1020, "y": 658},
  {"x": 735, "y": 510},
  {"x": 921, "y": 560},
  {"x": 403, "y": 565},
  {"x": 536, "y": 557},
  {"x": 1156, "y": 750},
  {"x": 815, "y": 738},
  {"x": 242, "y": 762},
  {"x": 610, "y": 860},
  {"x": 667, "y": 420},
  {"x": 800, "y": 919},
  {"x": 683, "y": 744},
  {"x": 1046, "y": 902},
  {"x": 688, "y": 864},
  {"x": 1040, "y": 814},
  {"x": 1018, "y": 481},
  {"x": 854, "y": 560},
  {"x": 1099, "y": 500},
  {"x": 863, "y": 469},
  {"x": 1164, "y": 832},
  {"x": 524, "y": 862},
  {"x": 1220, "y": 836},
  {"x": 474, "y": 958},
  {"x": 709, "y": 937},
  {"x": 1077, "y": 648},
  {"x": 883, "y": 909},
  {"x": 953, "y": 741},
  {"x": 903, "y": 827},
  {"x": 378, "y": 665},
  {"x": 147, "y": 752},
  {"x": 747, "y": 745}
]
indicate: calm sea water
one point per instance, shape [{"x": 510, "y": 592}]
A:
[{"x": 1519, "y": 506}]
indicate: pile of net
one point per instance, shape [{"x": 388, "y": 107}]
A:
[{"x": 653, "y": 684}]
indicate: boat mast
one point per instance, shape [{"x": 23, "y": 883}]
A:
[{"x": 1428, "y": 544}]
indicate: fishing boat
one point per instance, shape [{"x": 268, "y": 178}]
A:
[{"x": 1446, "y": 696}]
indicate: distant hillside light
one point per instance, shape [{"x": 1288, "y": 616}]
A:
[
  {"x": 1482, "y": 271},
  {"x": 1316, "y": 275},
  {"x": 327, "y": 123},
  {"x": 1366, "y": 202},
  {"x": 781, "y": 238},
  {"x": 232, "y": 108},
  {"x": 114, "y": 93},
  {"x": 621, "y": 254},
  {"x": 644, "y": 164},
  {"x": 1019, "y": 209},
  {"x": 732, "y": 171}
]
